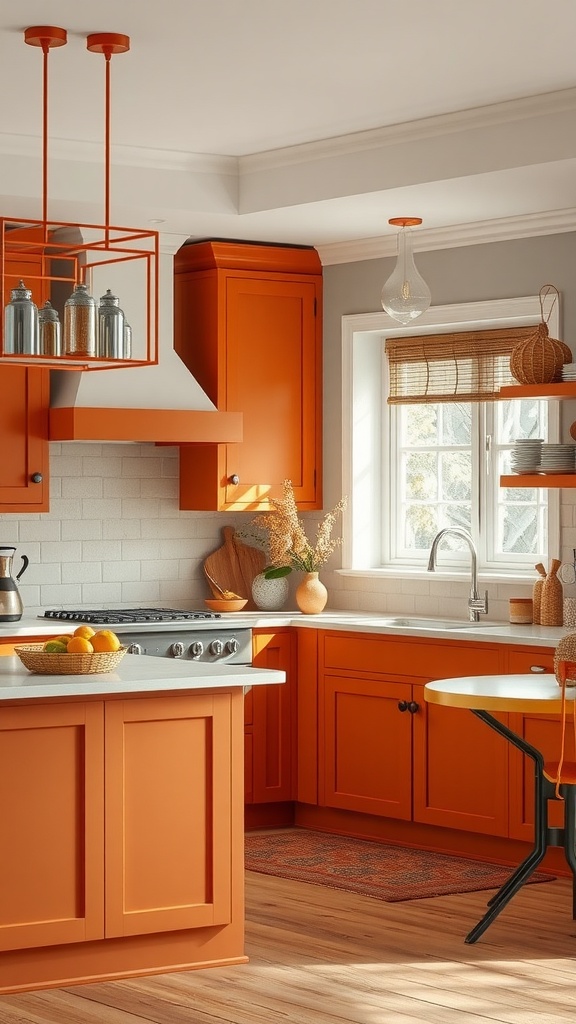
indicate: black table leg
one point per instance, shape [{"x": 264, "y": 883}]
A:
[{"x": 543, "y": 791}]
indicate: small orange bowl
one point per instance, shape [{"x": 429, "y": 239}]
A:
[{"x": 226, "y": 606}]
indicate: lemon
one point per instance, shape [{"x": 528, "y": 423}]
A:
[{"x": 55, "y": 647}]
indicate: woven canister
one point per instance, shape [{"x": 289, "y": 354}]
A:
[
  {"x": 565, "y": 651},
  {"x": 552, "y": 600}
]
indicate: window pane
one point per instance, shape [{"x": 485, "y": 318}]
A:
[
  {"x": 456, "y": 423},
  {"x": 421, "y": 475},
  {"x": 419, "y": 424},
  {"x": 420, "y": 527},
  {"x": 456, "y": 476}
]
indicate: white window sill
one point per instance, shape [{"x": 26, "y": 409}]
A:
[{"x": 451, "y": 575}]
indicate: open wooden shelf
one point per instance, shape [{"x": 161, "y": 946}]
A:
[
  {"x": 564, "y": 389},
  {"x": 539, "y": 480}
]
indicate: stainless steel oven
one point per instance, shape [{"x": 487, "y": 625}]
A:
[{"x": 167, "y": 632}]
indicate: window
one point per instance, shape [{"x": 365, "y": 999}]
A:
[{"x": 412, "y": 469}]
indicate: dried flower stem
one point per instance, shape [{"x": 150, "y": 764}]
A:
[{"x": 287, "y": 541}]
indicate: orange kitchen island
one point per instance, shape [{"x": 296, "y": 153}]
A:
[{"x": 121, "y": 797}]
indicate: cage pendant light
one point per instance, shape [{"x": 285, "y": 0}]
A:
[
  {"x": 405, "y": 294},
  {"x": 58, "y": 256}
]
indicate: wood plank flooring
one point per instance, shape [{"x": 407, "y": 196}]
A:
[{"x": 319, "y": 956}]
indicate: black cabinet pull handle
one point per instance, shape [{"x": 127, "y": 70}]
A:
[
  {"x": 36, "y": 478},
  {"x": 402, "y": 705},
  {"x": 413, "y": 707}
]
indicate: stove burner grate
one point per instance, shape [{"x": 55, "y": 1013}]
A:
[{"x": 103, "y": 616}]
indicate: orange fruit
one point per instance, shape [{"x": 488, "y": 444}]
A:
[
  {"x": 84, "y": 631},
  {"x": 79, "y": 645},
  {"x": 105, "y": 640}
]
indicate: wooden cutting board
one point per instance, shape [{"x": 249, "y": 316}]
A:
[{"x": 234, "y": 565}]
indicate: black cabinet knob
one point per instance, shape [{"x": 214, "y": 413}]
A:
[
  {"x": 234, "y": 479},
  {"x": 402, "y": 705},
  {"x": 413, "y": 707},
  {"x": 36, "y": 478}
]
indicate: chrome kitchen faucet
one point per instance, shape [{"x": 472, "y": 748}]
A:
[{"x": 476, "y": 604}]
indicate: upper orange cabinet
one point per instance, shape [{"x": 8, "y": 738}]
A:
[
  {"x": 24, "y": 421},
  {"x": 24, "y": 430},
  {"x": 248, "y": 325}
]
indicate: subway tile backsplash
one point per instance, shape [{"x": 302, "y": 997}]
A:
[{"x": 114, "y": 534}]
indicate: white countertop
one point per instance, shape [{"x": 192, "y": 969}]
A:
[
  {"x": 133, "y": 675},
  {"x": 350, "y": 621}
]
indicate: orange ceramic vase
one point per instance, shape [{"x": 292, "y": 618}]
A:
[{"x": 311, "y": 594}]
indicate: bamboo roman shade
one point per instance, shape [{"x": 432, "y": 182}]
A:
[{"x": 470, "y": 366}]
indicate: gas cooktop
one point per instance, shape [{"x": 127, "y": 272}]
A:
[{"x": 103, "y": 616}]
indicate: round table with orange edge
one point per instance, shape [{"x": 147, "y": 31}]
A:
[{"x": 556, "y": 779}]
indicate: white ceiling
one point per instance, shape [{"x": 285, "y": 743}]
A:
[{"x": 301, "y": 121}]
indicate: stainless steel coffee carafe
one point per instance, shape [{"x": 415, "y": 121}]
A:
[{"x": 10, "y": 601}]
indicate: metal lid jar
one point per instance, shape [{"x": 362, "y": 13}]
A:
[
  {"x": 50, "y": 339},
  {"x": 110, "y": 327},
  {"x": 80, "y": 323},
  {"x": 21, "y": 323}
]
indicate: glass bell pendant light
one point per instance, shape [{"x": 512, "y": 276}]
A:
[{"x": 405, "y": 294}]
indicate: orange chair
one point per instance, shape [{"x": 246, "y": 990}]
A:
[{"x": 562, "y": 774}]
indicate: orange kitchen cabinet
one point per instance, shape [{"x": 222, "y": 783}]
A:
[
  {"x": 122, "y": 837},
  {"x": 168, "y": 814},
  {"x": 384, "y": 751},
  {"x": 52, "y": 849},
  {"x": 248, "y": 325},
  {"x": 24, "y": 467},
  {"x": 24, "y": 411},
  {"x": 270, "y": 722}
]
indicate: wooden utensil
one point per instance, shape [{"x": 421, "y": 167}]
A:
[{"x": 233, "y": 567}]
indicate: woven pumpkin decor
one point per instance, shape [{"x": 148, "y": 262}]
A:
[
  {"x": 539, "y": 358},
  {"x": 565, "y": 651}
]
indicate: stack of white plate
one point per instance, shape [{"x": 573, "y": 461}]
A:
[
  {"x": 526, "y": 454},
  {"x": 557, "y": 458},
  {"x": 569, "y": 371}
]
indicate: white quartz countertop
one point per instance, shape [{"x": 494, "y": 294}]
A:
[
  {"x": 351, "y": 621},
  {"x": 133, "y": 675}
]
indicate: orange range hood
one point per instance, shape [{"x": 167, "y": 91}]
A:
[{"x": 159, "y": 403}]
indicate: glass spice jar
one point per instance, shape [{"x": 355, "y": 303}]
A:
[
  {"x": 80, "y": 323},
  {"x": 21, "y": 323},
  {"x": 110, "y": 327},
  {"x": 50, "y": 340}
]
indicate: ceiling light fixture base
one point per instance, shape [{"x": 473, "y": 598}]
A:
[{"x": 405, "y": 222}]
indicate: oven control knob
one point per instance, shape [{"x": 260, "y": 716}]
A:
[
  {"x": 177, "y": 649},
  {"x": 216, "y": 647},
  {"x": 134, "y": 649},
  {"x": 232, "y": 646},
  {"x": 197, "y": 649}
]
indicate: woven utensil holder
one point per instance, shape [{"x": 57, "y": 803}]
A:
[
  {"x": 36, "y": 659},
  {"x": 552, "y": 599},
  {"x": 565, "y": 651},
  {"x": 537, "y": 594}
]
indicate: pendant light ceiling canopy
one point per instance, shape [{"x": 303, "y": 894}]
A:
[
  {"x": 405, "y": 294},
  {"x": 60, "y": 256}
]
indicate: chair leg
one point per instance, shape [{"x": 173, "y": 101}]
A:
[{"x": 569, "y": 794}]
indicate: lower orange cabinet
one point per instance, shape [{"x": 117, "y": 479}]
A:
[
  {"x": 383, "y": 750},
  {"x": 116, "y": 818},
  {"x": 270, "y": 735}
]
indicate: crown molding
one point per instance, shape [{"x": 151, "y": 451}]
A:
[
  {"x": 410, "y": 131},
  {"x": 504, "y": 229},
  {"x": 67, "y": 150}
]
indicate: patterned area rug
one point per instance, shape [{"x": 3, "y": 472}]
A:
[{"x": 390, "y": 873}]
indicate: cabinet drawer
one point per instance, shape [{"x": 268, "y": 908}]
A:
[
  {"x": 407, "y": 656},
  {"x": 529, "y": 660}
]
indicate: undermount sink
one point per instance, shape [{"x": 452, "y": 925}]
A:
[{"x": 408, "y": 622}]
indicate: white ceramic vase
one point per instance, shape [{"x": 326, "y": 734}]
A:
[{"x": 270, "y": 595}]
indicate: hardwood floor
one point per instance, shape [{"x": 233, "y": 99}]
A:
[{"x": 319, "y": 956}]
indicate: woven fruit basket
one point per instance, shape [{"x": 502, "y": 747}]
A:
[{"x": 36, "y": 659}]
